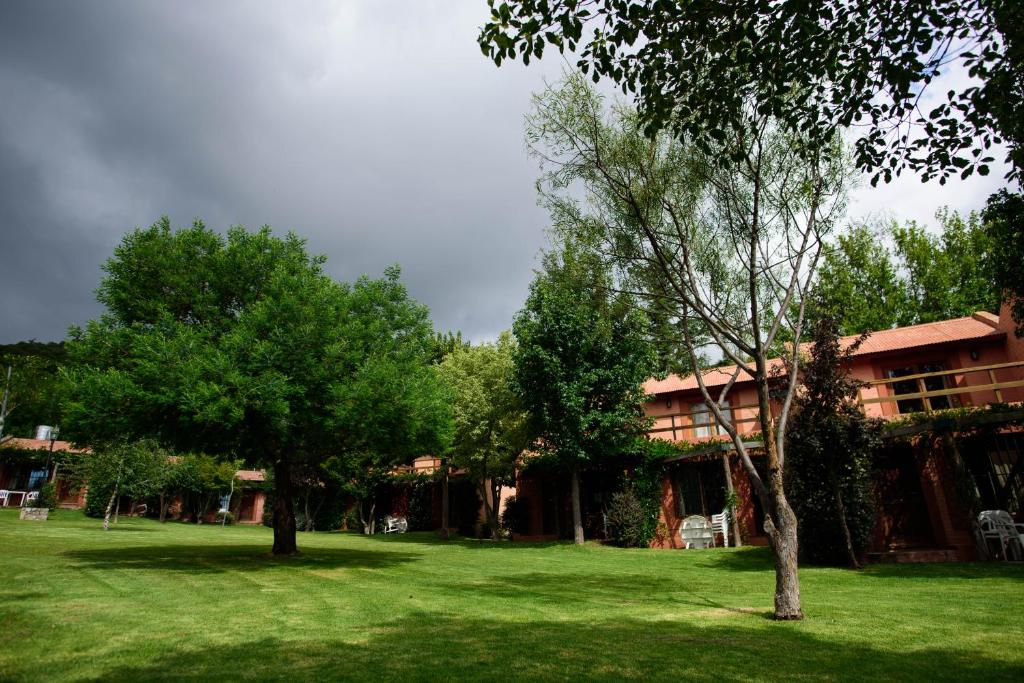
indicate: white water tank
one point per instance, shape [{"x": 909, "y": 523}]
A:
[{"x": 43, "y": 432}]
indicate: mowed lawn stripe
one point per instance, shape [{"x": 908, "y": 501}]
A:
[{"x": 151, "y": 601}]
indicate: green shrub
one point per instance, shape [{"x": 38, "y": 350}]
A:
[
  {"x": 225, "y": 517},
  {"x": 516, "y": 515},
  {"x": 96, "y": 502},
  {"x": 420, "y": 508},
  {"x": 629, "y": 522},
  {"x": 47, "y": 496}
]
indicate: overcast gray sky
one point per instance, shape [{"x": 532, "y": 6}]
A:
[{"x": 375, "y": 129}]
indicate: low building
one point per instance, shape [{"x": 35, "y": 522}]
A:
[
  {"x": 926, "y": 370},
  {"x": 26, "y": 465}
]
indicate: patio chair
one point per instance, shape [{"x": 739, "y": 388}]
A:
[
  {"x": 395, "y": 525},
  {"x": 695, "y": 532},
  {"x": 998, "y": 525},
  {"x": 720, "y": 525},
  {"x": 4, "y": 497},
  {"x": 28, "y": 498}
]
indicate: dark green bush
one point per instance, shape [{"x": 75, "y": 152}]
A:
[
  {"x": 628, "y": 520},
  {"x": 96, "y": 502},
  {"x": 47, "y": 496},
  {"x": 516, "y": 515},
  {"x": 830, "y": 450},
  {"x": 225, "y": 517},
  {"x": 420, "y": 508}
]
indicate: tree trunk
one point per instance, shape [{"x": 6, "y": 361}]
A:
[
  {"x": 577, "y": 517},
  {"x": 369, "y": 521},
  {"x": 284, "y": 510},
  {"x": 780, "y": 521},
  {"x": 781, "y": 527},
  {"x": 110, "y": 505},
  {"x": 163, "y": 507},
  {"x": 495, "y": 509},
  {"x": 733, "y": 517},
  {"x": 847, "y": 538},
  {"x": 443, "y": 533},
  {"x": 308, "y": 526},
  {"x": 490, "y": 509}
]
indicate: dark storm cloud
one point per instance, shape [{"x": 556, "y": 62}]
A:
[{"x": 374, "y": 129}]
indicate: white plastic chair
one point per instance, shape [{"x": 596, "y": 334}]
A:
[
  {"x": 30, "y": 497},
  {"x": 720, "y": 525},
  {"x": 998, "y": 525},
  {"x": 695, "y": 532},
  {"x": 395, "y": 525},
  {"x": 4, "y": 497}
]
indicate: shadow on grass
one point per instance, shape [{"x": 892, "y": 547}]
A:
[
  {"x": 213, "y": 559},
  {"x": 430, "y": 538},
  {"x": 432, "y": 646},
  {"x": 946, "y": 570},
  {"x": 612, "y": 590}
]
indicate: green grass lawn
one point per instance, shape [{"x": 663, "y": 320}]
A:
[{"x": 147, "y": 601}]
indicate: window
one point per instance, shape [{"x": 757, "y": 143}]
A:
[
  {"x": 920, "y": 385},
  {"x": 36, "y": 479},
  {"x": 702, "y": 418}
]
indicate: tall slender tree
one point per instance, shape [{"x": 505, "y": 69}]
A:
[
  {"x": 582, "y": 358},
  {"x": 732, "y": 250},
  {"x": 491, "y": 425}
]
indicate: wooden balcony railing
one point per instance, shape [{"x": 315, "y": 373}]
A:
[
  {"x": 950, "y": 391},
  {"x": 683, "y": 425}
]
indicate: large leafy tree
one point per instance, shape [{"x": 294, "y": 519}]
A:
[
  {"x": 697, "y": 68},
  {"x": 583, "y": 355},
  {"x": 731, "y": 252},
  {"x": 859, "y": 272},
  {"x": 239, "y": 345},
  {"x": 491, "y": 425},
  {"x": 30, "y": 381},
  {"x": 1004, "y": 224},
  {"x": 948, "y": 275},
  {"x": 922, "y": 278}
]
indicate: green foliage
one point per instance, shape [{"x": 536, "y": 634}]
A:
[
  {"x": 420, "y": 511},
  {"x": 699, "y": 69},
  {"x": 35, "y": 388},
  {"x": 446, "y": 343},
  {"x": 516, "y": 515},
  {"x": 830, "y": 447},
  {"x": 628, "y": 521},
  {"x": 923, "y": 278},
  {"x": 632, "y": 515},
  {"x": 581, "y": 362},
  {"x": 1004, "y": 225},
  {"x": 491, "y": 426},
  {"x": 947, "y": 276},
  {"x": 133, "y": 469},
  {"x": 47, "y": 496},
  {"x": 239, "y": 345},
  {"x": 224, "y": 517}
]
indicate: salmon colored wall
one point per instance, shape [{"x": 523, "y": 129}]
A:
[
  {"x": 669, "y": 521},
  {"x": 864, "y": 368}
]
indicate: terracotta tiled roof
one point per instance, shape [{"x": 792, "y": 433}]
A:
[
  {"x": 251, "y": 475},
  {"x": 980, "y": 326},
  {"x": 40, "y": 445}
]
